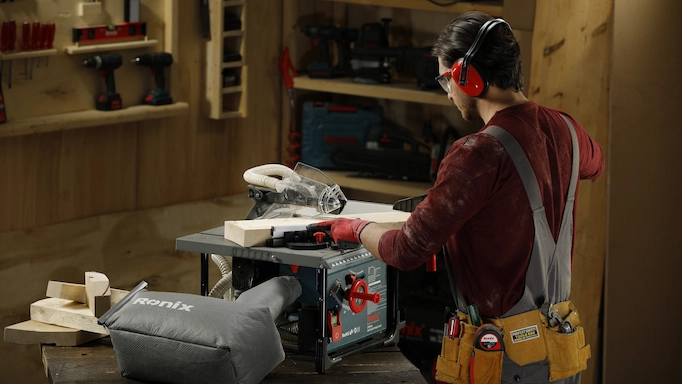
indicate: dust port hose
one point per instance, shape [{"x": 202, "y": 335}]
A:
[{"x": 262, "y": 175}]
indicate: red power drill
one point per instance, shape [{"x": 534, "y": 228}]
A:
[
  {"x": 106, "y": 64},
  {"x": 157, "y": 62}
]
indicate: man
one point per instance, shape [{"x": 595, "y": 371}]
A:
[{"x": 504, "y": 250}]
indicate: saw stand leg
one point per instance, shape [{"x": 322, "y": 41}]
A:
[{"x": 204, "y": 274}]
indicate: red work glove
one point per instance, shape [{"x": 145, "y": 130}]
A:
[{"x": 345, "y": 229}]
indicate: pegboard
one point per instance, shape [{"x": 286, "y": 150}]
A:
[{"x": 60, "y": 84}]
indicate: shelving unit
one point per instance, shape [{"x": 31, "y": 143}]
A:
[
  {"x": 347, "y": 13},
  {"x": 69, "y": 112},
  {"x": 226, "y": 101}
]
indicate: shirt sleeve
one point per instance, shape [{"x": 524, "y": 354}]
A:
[
  {"x": 465, "y": 181},
  {"x": 591, "y": 155}
]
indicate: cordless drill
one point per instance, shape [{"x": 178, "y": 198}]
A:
[
  {"x": 157, "y": 62},
  {"x": 106, "y": 64},
  {"x": 321, "y": 34}
]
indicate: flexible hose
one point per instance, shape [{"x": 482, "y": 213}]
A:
[
  {"x": 262, "y": 175},
  {"x": 288, "y": 330},
  {"x": 225, "y": 283}
]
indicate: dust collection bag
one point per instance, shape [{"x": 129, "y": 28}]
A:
[{"x": 182, "y": 338}]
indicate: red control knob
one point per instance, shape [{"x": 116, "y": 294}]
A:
[
  {"x": 358, "y": 295},
  {"x": 319, "y": 236}
]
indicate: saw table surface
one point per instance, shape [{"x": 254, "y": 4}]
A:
[{"x": 96, "y": 362}]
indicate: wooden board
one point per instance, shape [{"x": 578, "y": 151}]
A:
[
  {"x": 253, "y": 233},
  {"x": 66, "y": 313},
  {"x": 35, "y": 332}
]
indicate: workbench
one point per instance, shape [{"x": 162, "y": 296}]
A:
[{"x": 96, "y": 362}]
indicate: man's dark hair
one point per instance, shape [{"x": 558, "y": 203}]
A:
[{"x": 499, "y": 56}]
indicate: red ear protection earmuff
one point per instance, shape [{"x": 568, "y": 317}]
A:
[{"x": 464, "y": 74}]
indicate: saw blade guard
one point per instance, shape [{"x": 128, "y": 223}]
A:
[{"x": 305, "y": 191}]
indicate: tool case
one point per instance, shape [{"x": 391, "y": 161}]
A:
[{"x": 326, "y": 126}]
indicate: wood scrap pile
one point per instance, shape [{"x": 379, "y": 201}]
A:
[{"x": 68, "y": 316}]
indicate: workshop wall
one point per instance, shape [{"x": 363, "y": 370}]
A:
[
  {"x": 113, "y": 198},
  {"x": 570, "y": 71},
  {"x": 643, "y": 265}
]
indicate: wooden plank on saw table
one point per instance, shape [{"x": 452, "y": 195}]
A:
[{"x": 253, "y": 233}]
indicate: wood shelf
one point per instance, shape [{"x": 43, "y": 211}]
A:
[
  {"x": 397, "y": 188},
  {"x": 90, "y": 118},
  {"x": 80, "y": 49},
  {"x": 493, "y": 8},
  {"x": 397, "y": 90},
  {"x": 27, "y": 54}
]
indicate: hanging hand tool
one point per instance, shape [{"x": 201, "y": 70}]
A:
[
  {"x": 8, "y": 43},
  {"x": 106, "y": 64},
  {"x": 35, "y": 42},
  {"x": 157, "y": 62},
  {"x": 26, "y": 44},
  {"x": 205, "y": 20},
  {"x": 48, "y": 39}
]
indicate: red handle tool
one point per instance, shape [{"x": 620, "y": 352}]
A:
[
  {"x": 12, "y": 35},
  {"x": 4, "y": 37},
  {"x": 26, "y": 42},
  {"x": 49, "y": 36},
  {"x": 35, "y": 35}
]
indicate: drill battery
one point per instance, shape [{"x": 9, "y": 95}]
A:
[{"x": 326, "y": 126}]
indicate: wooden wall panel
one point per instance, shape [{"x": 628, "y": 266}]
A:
[
  {"x": 570, "y": 71},
  {"x": 644, "y": 257}
]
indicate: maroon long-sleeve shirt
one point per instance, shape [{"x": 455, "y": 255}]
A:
[{"x": 479, "y": 208}]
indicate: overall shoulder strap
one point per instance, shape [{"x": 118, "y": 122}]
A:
[{"x": 545, "y": 278}]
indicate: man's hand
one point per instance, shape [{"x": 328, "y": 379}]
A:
[{"x": 345, "y": 229}]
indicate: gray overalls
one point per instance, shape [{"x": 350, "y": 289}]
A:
[{"x": 548, "y": 279}]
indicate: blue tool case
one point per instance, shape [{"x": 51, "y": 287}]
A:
[{"x": 326, "y": 126}]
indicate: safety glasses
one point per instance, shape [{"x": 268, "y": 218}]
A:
[{"x": 444, "y": 80}]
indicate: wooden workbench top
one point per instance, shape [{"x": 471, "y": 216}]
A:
[{"x": 96, "y": 362}]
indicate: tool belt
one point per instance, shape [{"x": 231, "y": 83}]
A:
[{"x": 528, "y": 337}]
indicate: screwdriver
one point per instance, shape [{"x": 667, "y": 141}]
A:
[
  {"x": 49, "y": 39},
  {"x": 35, "y": 41},
  {"x": 26, "y": 44},
  {"x": 12, "y": 46}
]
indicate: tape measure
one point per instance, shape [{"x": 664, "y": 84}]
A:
[{"x": 488, "y": 338}]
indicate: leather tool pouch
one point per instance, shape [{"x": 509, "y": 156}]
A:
[
  {"x": 567, "y": 353},
  {"x": 487, "y": 367},
  {"x": 452, "y": 365}
]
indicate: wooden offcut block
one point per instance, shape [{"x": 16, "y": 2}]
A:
[
  {"x": 97, "y": 293},
  {"x": 254, "y": 233}
]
